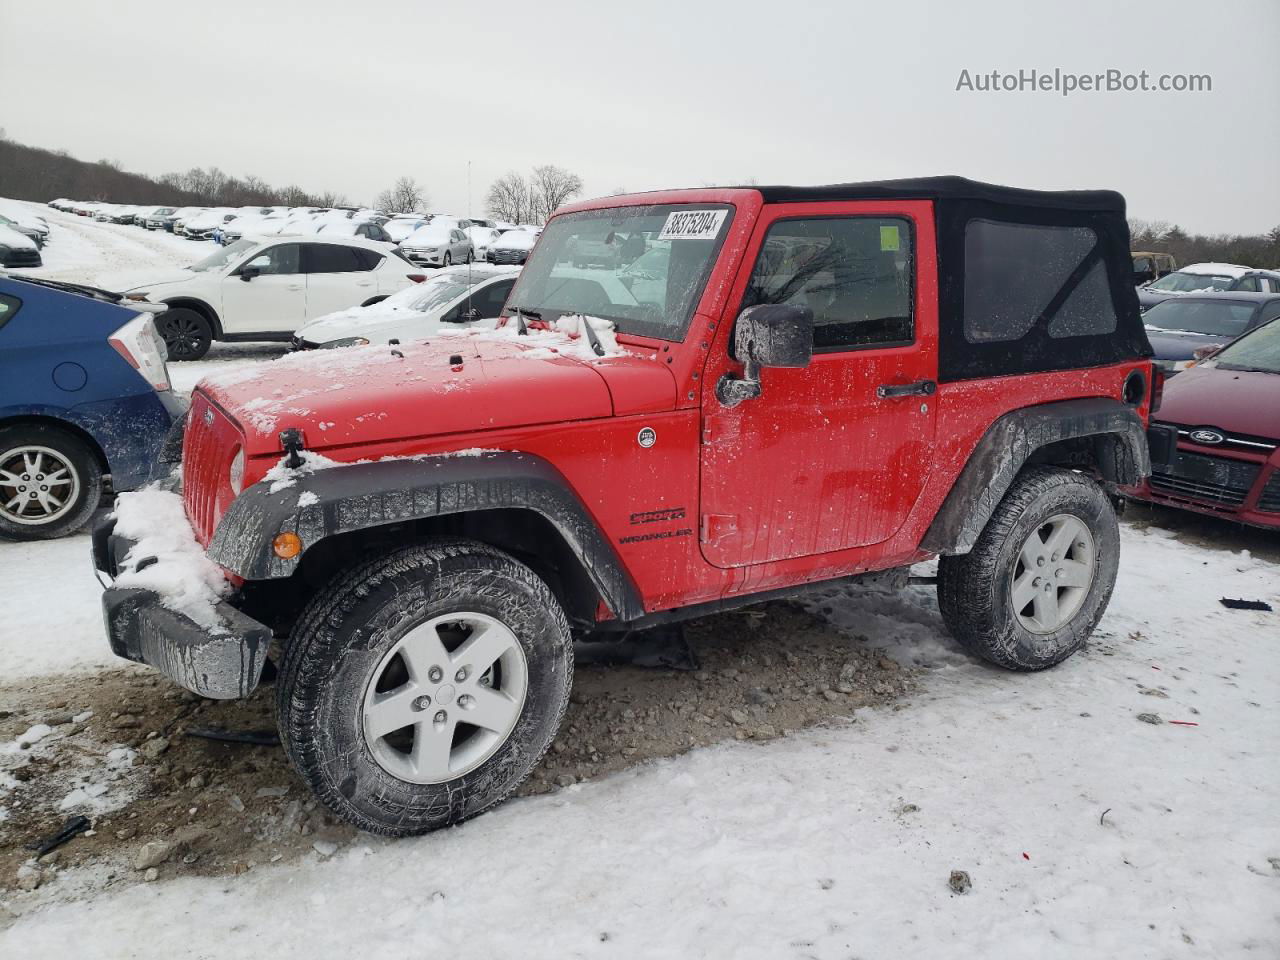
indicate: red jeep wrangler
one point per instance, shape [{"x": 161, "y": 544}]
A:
[{"x": 773, "y": 388}]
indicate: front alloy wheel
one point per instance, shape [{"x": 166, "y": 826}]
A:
[
  {"x": 445, "y": 697},
  {"x": 421, "y": 687}
]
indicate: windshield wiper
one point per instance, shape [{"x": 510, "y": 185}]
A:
[
  {"x": 521, "y": 313},
  {"x": 96, "y": 292},
  {"x": 592, "y": 338}
]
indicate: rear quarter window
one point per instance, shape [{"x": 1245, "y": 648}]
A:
[{"x": 1018, "y": 273}]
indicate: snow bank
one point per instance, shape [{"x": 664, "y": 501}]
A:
[{"x": 185, "y": 579}]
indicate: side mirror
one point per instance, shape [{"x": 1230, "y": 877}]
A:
[
  {"x": 766, "y": 335},
  {"x": 248, "y": 273}
]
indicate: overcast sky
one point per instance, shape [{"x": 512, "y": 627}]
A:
[{"x": 347, "y": 96}]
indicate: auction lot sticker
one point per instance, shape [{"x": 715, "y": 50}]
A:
[{"x": 692, "y": 225}]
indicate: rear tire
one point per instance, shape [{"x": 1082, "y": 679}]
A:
[
  {"x": 187, "y": 335},
  {"x": 1040, "y": 575},
  {"x": 388, "y": 658},
  {"x": 57, "y": 467}
]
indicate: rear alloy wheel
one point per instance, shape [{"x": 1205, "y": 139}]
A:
[
  {"x": 1040, "y": 575},
  {"x": 50, "y": 482},
  {"x": 186, "y": 334},
  {"x": 420, "y": 688}
]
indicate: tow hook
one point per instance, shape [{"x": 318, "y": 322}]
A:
[{"x": 293, "y": 441}]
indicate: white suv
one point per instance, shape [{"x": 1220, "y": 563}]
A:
[{"x": 264, "y": 289}]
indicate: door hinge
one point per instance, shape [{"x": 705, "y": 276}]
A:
[{"x": 716, "y": 526}]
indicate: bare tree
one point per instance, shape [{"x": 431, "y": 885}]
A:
[
  {"x": 552, "y": 186},
  {"x": 532, "y": 199},
  {"x": 510, "y": 198},
  {"x": 405, "y": 196}
]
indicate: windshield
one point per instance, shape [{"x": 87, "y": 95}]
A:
[
  {"x": 1260, "y": 350},
  {"x": 583, "y": 264},
  {"x": 224, "y": 257},
  {"x": 1186, "y": 282},
  {"x": 1227, "y": 318},
  {"x": 438, "y": 291}
]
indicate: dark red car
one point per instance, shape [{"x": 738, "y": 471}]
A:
[{"x": 1215, "y": 447}]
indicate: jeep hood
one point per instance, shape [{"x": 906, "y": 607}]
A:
[
  {"x": 352, "y": 397},
  {"x": 1234, "y": 401}
]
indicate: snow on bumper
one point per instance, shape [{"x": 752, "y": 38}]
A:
[{"x": 220, "y": 658}]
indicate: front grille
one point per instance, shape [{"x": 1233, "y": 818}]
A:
[
  {"x": 1243, "y": 442},
  {"x": 1215, "y": 481},
  {"x": 208, "y": 448},
  {"x": 1270, "y": 498},
  {"x": 507, "y": 256}
]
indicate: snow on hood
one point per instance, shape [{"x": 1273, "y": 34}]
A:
[
  {"x": 429, "y": 235},
  {"x": 359, "y": 396},
  {"x": 14, "y": 240},
  {"x": 515, "y": 240}
]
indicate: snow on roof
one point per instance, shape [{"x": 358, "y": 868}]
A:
[{"x": 1215, "y": 270}]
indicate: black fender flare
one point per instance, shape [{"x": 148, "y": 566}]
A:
[
  {"x": 360, "y": 496},
  {"x": 1013, "y": 440}
]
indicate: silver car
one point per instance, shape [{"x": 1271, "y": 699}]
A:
[{"x": 438, "y": 246}]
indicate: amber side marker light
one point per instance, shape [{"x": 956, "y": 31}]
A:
[{"x": 287, "y": 545}]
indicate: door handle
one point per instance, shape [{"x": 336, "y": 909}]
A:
[
  {"x": 295, "y": 286},
  {"x": 920, "y": 388}
]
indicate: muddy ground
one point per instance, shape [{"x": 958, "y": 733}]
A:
[{"x": 163, "y": 803}]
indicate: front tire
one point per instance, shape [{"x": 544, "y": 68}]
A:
[
  {"x": 1040, "y": 575},
  {"x": 420, "y": 688},
  {"x": 448, "y": 260},
  {"x": 187, "y": 335},
  {"x": 50, "y": 482}
]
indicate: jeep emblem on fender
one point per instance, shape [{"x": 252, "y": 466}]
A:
[
  {"x": 1206, "y": 436},
  {"x": 208, "y": 418},
  {"x": 647, "y": 437}
]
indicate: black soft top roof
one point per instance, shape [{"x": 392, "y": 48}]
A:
[{"x": 949, "y": 188}]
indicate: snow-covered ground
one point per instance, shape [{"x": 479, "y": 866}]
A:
[{"x": 1086, "y": 831}]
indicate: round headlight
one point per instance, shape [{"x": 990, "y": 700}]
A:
[{"x": 236, "y": 473}]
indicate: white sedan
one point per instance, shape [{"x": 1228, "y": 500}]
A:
[
  {"x": 451, "y": 299},
  {"x": 266, "y": 288}
]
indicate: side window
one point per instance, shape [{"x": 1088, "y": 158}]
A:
[
  {"x": 1018, "y": 273},
  {"x": 331, "y": 258},
  {"x": 1247, "y": 283},
  {"x": 279, "y": 259},
  {"x": 857, "y": 274},
  {"x": 9, "y": 306},
  {"x": 490, "y": 300},
  {"x": 369, "y": 260}
]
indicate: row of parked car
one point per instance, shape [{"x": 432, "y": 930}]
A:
[
  {"x": 1217, "y": 326},
  {"x": 424, "y": 238},
  {"x": 23, "y": 235},
  {"x": 1192, "y": 312}
]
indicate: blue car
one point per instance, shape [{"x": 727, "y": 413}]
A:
[{"x": 84, "y": 394}]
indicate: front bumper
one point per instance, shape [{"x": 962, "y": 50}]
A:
[
  {"x": 220, "y": 666},
  {"x": 1215, "y": 482}
]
